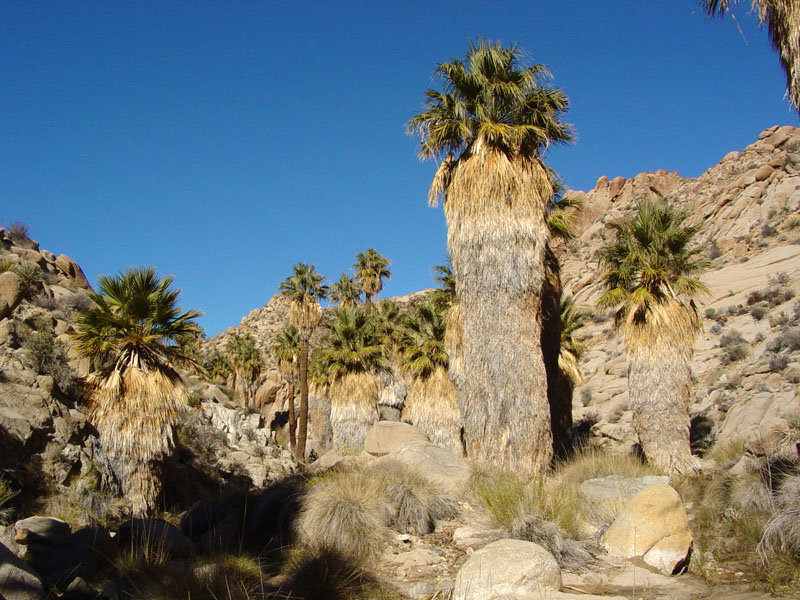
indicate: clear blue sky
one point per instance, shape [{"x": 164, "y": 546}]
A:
[{"x": 223, "y": 142}]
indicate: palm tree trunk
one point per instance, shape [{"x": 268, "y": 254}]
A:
[
  {"x": 367, "y": 303},
  {"x": 292, "y": 420},
  {"x": 659, "y": 387},
  {"x": 496, "y": 237},
  {"x": 302, "y": 429}
]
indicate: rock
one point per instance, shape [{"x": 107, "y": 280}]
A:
[
  {"x": 421, "y": 590},
  {"x": 10, "y": 293},
  {"x": 73, "y": 272},
  {"x": 616, "y": 487},
  {"x": 507, "y": 567},
  {"x": 440, "y": 466},
  {"x": 416, "y": 557},
  {"x": 84, "y": 553},
  {"x": 18, "y": 581},
  {"x": 38, "y": 530},
  {"x": 475, "y": 537},
  {"x": 652, "y": 515},
  {"x": 670, "y": 554},
  {"x": 155, "y": 534},
  {"x": 387, "y": 436},
  {"x": 80, "y": 590},
  {"x": 266, "y": 393}
]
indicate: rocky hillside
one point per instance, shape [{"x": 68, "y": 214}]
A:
[{"x": 747, "y": 364}]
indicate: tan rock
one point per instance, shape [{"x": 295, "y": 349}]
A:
[
  {"x": 655, "y": 513},
  {"x": 507, "y": 568},
  {"x": 10, "y": 293},
  {"x": 763, "y": 173},
  {"x": 266, "y": 393},
  {"x": 669, "y": 554},
  {"x": 73, "y": 272},
  {"x": 387, "y": 436}
]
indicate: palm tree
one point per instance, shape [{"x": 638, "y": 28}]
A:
[
  {"x": 285, "y": 351},
  {"x": 431, "y": 402},
  {"x": 649, "y": 267},
  {"x": 350, "y": 360},
  {"x": 130, "y": 334},
  {"x": 305, "y": 287},
  {"x": 489, "y": 127},
  {"x": 247, "y": 364},
  {"x": 371, "y": 269},
  {"x": 783, "y": 21},
  {"x": 346, "y": 292}
]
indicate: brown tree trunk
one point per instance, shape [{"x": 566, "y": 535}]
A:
[
  {"x": 367, "y": 303},
  {"x": 302, "y": 429},
  {"x": 292, "y": 420}
]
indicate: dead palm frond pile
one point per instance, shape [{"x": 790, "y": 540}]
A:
[
  {"x": 432, "y": 406},
  {"x": 354, "y": 398}
]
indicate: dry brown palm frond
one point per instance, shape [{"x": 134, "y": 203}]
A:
[
  {"x": 432, "y": 406},
  {"x": 305, "y": 315},
  {"x": 441, "y": 180},
  {"x": 496, "y": 238},
  {"x": 354, "y": 409},
  {"x": 568, "y": 363},
  {"x": 135, "y": 412},
  {"x": 659, "y": 348}
]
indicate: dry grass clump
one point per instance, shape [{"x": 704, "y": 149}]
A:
[
  {"x": 346, "y": 512},
  {"x": 591, "y": 464},
  {"x": 415, "y": 503},
  {"x": 779, "y": 546},
  {"x": 326, "y": 573}
]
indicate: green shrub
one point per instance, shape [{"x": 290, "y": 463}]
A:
[
  {"x": 31, "y": 278},
  {"x": 731, "y": 338},
  {"x": 586, "y": 396},
  {"x": 710, "y": 313},
  {"x": 758, "y": 312},
  {"x": 17, "y": 230},
  {"x": 734, "y": 353}
]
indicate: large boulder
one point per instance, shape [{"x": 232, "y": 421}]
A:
[
  {"x": 655, "y": 519},
  {"x": 74, "y": 274},
  {"x": 10, "y": 293},
  {"x": 40, "y": 530},
  {"x": 85, "y": 553},
  {"x": 387, "y": 436},
  {"x": 156, "y": 535},
  {"x": 18, "y": 581},
  {"x": 442, "y": 467},
  {"x": 510, "y": 568}
]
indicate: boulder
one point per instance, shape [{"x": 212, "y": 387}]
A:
[
  {"x": 616, "y": 487},
  {"x": 475, "y": 537},
  {"x": 507, "y": 568},
  {"x": 670, "y": 554},
  {"x": 72, "y": 272},
  {"x": 387, "y": 436},
  {"x": 266, "y": 393},
  {"x": 10, "y": 293},
  {"x": 654, "y": 514},
  {"x": 40, "y": 530},
  {"x": 156, "y": 535},
  {"x": 18, "y": 581},
  {"x": 84, "y": 553},
  {"x": 442, "y": 467}
]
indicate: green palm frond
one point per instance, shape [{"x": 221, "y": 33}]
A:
[
  {"x": 135, "y": 320},
  {"x": 346, "y": 292},
  {"x": 422, "y": 343},
  {"x": 352, "y": 345},
  {"x": 371, "y": 268}
]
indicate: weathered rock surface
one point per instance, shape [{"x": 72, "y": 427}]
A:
[
  {"x": 507, "y": 568},
  {"x": 655, "y": 519},
  {"x": 388, "y": 436},
  {"x": 84, "y": 553},
  {"x": 18, "y": 581},
  {"x": 439, "y": 465}
]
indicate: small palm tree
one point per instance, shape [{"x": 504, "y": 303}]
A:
[
  {"x": 247, "y": 362},
  {"x": 488, "y": 127},
  {"x": 371, "y": 269},
  {"x": 431, "y": 402},
  {"x": 350, "y": 360},
  {"x": 305, "y": 288},
  {"x": 650, "y": 266},
  {"x": 783, "y": 20},
  {"x": 346, "y": 292},
  {"x": 286, "y": 351},
  {"x": 130, "y": 334}
]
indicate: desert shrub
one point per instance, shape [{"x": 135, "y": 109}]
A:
[
  {"x": 17, "y": 231},
  {"x": 710, "y": 313},
  {"x": 731, "y": 338},
  {"x": 779, "y": 320},
  {"x": 716, "y": 329},
  {"x": 714, "y": 252},
  {"x": 49, "y": 355},
  {"x": 7, "y": 265},
  {"x": 78, "y": 303},
  {"x": 46, "y": 302},
  {"x": 733, "y": 310},
  {"x": 570, "y": 554},
  {"x": 778, "y": 362},
  {"x": 793, "y": 223},
  {"x": 767, "y": 230},
  {"x": 758, "y": 312},
  {"x": 780, "y": 279},
  {"x": 734, "y": 353},
  {"x": 501, "y": 494},
  {"x": 759, "y": 337},
  {"x": 781, "y": 535},
  {"x": 787, "y": 340},
  {"x": 31, "y": 278},
  {"x": 586, "y": 396},
  {"x": 701, "y": 434}
]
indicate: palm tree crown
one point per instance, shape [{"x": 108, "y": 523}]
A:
[
  {"x": 423, "y": 340},
  {"x": 286, "y": 350},
  {"x": 346, "y": 292},
  {"x": 489, "y": 98},
  {"x": 305, "y": 287},
  {"x": 353, "y": 345},
  {"x": 652, "y": 259},
  {"x": 371, "y": 268},
  {"x": 135, "y": 321}
]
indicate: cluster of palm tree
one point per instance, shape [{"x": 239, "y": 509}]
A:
[{"x": 247, "y": 364}]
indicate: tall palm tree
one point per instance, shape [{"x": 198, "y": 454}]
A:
[
  {"x": 489, "y": 127},
  {"x": 286, "y": 352},
  {"x": 783, "y": 21},
  {"x": 305, "y": 288},
  {"x": 431, "y": 403},
  {"x": 371, "y": 269},
  {"x": 247, "y": 364},
  {"x": 130, "y": 333},
  {"x": 346, "y": 292},
  {"x": 350, "y": 360},
  {"x": 650, "y": 267}
]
